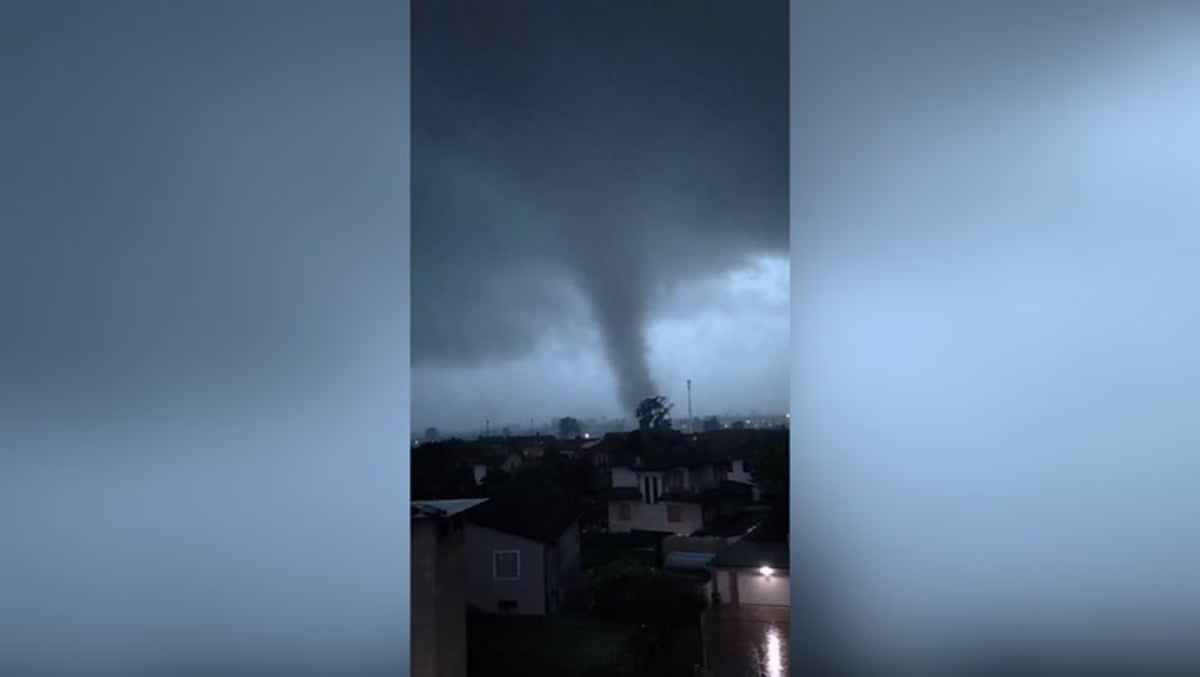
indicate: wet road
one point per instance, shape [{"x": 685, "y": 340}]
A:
[{"x": 749, "y": 642}]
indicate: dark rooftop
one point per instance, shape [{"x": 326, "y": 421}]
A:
[
  {"x": 677, "y": 449},
  {"x": 748, "y": 553},
  {"x": 773, "y": 528},
  {"x": 444, "y": 508},
  {"x": 524, "y": 515},
  {"x": 732, "y": 525}
]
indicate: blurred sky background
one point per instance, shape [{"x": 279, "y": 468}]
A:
[{"x": 994, "y": 231}]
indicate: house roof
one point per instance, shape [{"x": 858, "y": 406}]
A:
[
  {"x": 443, "y": 508},
  {"x": 687, "y": 560},
  {"x": 739, "y": 525},
  {"x": 490, "y": 451},
  {"x": 773, "y": 527},
  {"x": 751, "y": 553},
  {"x": 675, "y": 450},
  {"x": 525, "y": 516}
]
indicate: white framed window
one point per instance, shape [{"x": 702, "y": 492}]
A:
[{"x": 506, "y": 565}]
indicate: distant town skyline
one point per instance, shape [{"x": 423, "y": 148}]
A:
[{"x": 593, "y": 426}]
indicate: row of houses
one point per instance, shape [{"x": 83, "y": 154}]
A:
[
  {"x": 682, "y": 485},
  {"x": 518, "y": 554}
]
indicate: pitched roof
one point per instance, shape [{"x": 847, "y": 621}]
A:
[
  {"x": 750, "y": 553},
  {"x": 490, "y": 452},
  {"x": 525, "y": 516},
  {"x": 443, "y": 508},
  {"x": 740, "y": 525},
  {"x": 764, "y": 545},
  {"x": 675, "y": 450}
]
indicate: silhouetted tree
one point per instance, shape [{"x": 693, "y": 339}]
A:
[
  {"x": 539, "y": 487},
  {"x": 662, "y": 606},
  {"x": 569, "y": 427},
  {"x": 435, "y": 475},
  {"x": 494, "y": 480},
  {"x": 772, "y": 473},
  {"x": 711, "y": 423},
  {"x": 431, "y": 434},
  {"x": 739, "y": 425},
  {"x": 654, "y": 414}
]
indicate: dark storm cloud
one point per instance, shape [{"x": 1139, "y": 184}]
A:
[{"x": 600, "y": 150}]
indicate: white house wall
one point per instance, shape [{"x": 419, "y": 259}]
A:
[
  {"x": 484, "y": 592},
  {"x": 653, "y": 517},
  {"x": 423, "y": 599},
  {"x": 753, "y": 587},
  {"x": 624, "y": 477}
]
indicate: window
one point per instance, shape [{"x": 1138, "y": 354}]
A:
[
  {"x": 506, "y": 565},
  {"x": 624, "y": 512},
  {"x": 674, "y": 512}
]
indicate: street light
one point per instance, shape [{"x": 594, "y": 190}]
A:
[{"x": 766, "y": 571}]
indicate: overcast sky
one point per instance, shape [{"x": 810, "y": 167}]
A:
[{"x": 600, "y": 201}]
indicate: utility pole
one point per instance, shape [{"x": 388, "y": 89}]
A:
[{"x": 691, "y": 420}]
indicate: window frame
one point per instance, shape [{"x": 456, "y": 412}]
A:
[{"x": 496, "y": 570}]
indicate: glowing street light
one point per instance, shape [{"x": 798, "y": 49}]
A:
[{"x": 766, "y": 571}]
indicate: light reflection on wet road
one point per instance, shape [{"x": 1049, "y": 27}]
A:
[{"x": 749, "y": 647}]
